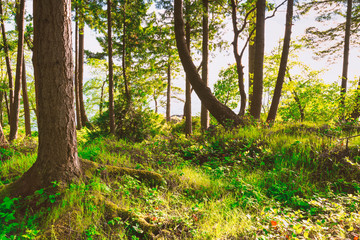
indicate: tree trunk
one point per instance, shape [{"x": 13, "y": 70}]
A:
[
  {"x": 3, "y": 141},
  {"x": 283, "y": 63},
  {"x": 168, "y": 92},
  {"x": 188, "y": 117},
  {"x": 221, "y": 113},
  {"x": 84, "y": 119},
  {"x": 76, "y": 77},
  {"x": 25, "y": 101},
  {"x": 256, "y": 102},
  {"x": 127, "y": 91},
  {"x": 57, "y": 152},
  {"x": 345, "y": 58},
  {"x": 239, "y": 66},
  {"x": 205, "y": 59},
  {"x": 111, "y": 71},
  {"x": 251, "y": 57},
  {"x": 7, "y": 59},
  {"x": 15, "y": 106}
]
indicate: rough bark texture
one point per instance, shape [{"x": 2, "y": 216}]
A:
[
  {"x": 7, "y": 58},
  {"x": 76, "y": 77},
  {"x": 25, "y": 101},
  {"x": 168, "y": 92},
  {"x": 256, "y": 102},
  {"x": 239, "y": 66},
  {"x": 15, "y": 106},
  {"x": 205, "y": 59},
  {"x": 84, "y": 119},
  {"x": 111, "y": 71},
  {"x": 57, "y": 152},
  {"x": 283, "y": 63},
  {"x": 345, "y": 67},
  {"x": 188, "y": 117},
  {"x": 222, "y": 113}
]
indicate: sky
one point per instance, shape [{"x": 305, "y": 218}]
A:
[{"x": 274, "y": 31}]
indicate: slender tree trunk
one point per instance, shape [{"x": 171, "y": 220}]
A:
[
  {"x": 57, "y": 152},
  {"x": 84, "y": 119},
  {"x": 345, "y": 67},
  {"x": 111, "y": 71},
  {"x": 221, "y": 113},
  {"x": 102, "y": 98},
  {"x": 283, "y": 63},
  {"x": 251, "y": 57},
  {"x": 205, "y": 59},
  {"x": 239, "y": 66},
  {"x": 188, "y": 117},
  {"x": 168, "y": 92},
  {"x": 25, "y": 101},
  {"x": 126, "y": 82},
  {"x": 15, "y": 107},
  {"x": 256, "y": 102},
  {"x": 3, "y": 141},
  {"x": 7, "y": 59},
  {"x": 76, "y": 77}
]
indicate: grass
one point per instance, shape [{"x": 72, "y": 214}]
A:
[{"x": 284, "y": 182}]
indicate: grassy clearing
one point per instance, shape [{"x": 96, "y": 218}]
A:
[{"x": 284, "y": 182}]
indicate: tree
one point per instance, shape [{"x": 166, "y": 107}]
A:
[
  {"x": 57, "y": 152},
  {"x": 221, "y": 113},
  {"x": 111, "y": 71},
  {"x": 205, "y": 59},
  {"x": 25, "y": 100},
  {"x": 15, "y": 105},
  {"x": 3, "y": 141},
  {"x": 256, "y": 101},
  {"x": 283, "y": 63}
]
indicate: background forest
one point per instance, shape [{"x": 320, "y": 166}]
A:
[{"x": 272, "y": 154}]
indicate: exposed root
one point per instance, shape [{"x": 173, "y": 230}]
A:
[{"x": 90, "y": 168}]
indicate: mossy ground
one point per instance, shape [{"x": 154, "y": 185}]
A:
[{"x": 284, "y": 182}]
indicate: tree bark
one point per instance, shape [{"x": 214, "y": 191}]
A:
[
  {"x": 188, "y": 117},
  {"x": 25, "y": 101},
  {"x": 3, "y": 141},
  {"x": 221, "y": 113},
  {"x": 251, "y": 52},
  {"x": 126, "y": 82},
  {"x": 239, "y": 66},
  {"x": 168, "y": 92},
  {"x": 283, "y": 63},
  {"x": 111, "y": 71},
  {"x": 205, "y": 59},
  {"x": 7, "y": 59},
  {"x": 84, "y": 119},
  {"x": 256, "y": 102},
  {"x": 345, "y": 67},
  {"x": 76, "y": 77},
  {"x": 15, "y": 106},
  {"x": 57, "y": 152}
]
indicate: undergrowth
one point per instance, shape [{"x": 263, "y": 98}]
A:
[{"x": 297, "y": 181}]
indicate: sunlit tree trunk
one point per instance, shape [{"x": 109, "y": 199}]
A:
[
  {"x": 168, "y": 92},
  {"x": 25, "y": 101},
  {"x": 111, "y": 71}
]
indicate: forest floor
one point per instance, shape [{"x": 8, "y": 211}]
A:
[{"x": 297, "y": 181}]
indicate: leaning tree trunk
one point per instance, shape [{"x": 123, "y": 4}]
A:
[
  {"x": 283, "y": 63},
  {"x": 345, "y": 67},
  {"x": 256, "y": 102},
  {"x": 84, "y": 119},
  {"x": 223, "y": 114},
  {"x": 25, "y": 101},
  {"x": 15, "y": 106},
  {"x": 111, "y": 71},
  {"x": 57, "y": 152},
  {"x": 205, "y": 59}
]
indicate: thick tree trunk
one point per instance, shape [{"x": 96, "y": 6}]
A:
[
  {"x": 221, "y": 113},
  {"x": 283, "y": 63},
  {"x": 25, "y": 101},
  {"x": 239, "y": 66},
  {"x": 205, "y": 59},
  {"x": 7, "y": 59},
  {"x": 344, "y": 76},
  {"x": 84, "y": 119},
  {"x": 57, "y": 152},
  {"x": 188, "y": 117},
  {"x": 111, "y": 71},
  {"x": 256, "y": 102},
  {"x": 168, "y": 92},
  {"x": 15, "y": 107},
  {"x": 76, "y": 77}
]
